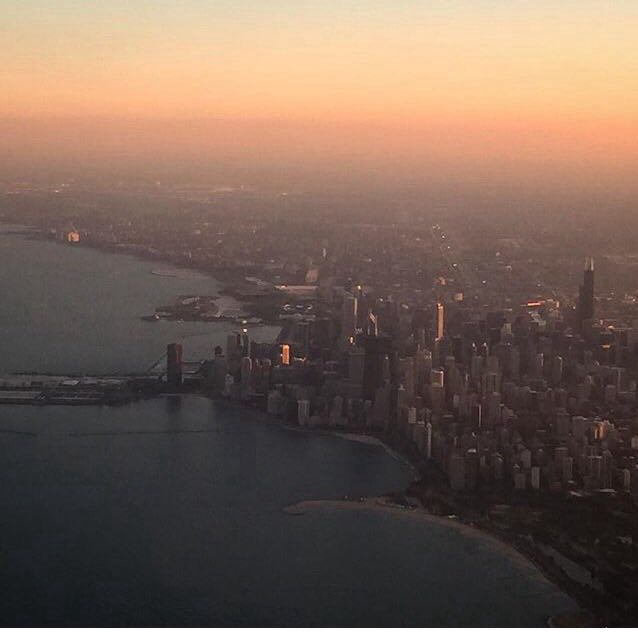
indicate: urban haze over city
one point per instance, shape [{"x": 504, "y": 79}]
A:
[{"x": 319, "y": 314}]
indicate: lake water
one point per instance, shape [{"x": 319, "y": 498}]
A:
[
  {"x": 169, "y": 511},
  {"x": 67, "y": 308}
]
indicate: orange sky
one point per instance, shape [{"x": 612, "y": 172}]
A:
[{"x": 464, "y": 80}]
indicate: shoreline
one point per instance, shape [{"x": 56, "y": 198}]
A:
[
  {"x": 356, "y": 437},
  {"x": 376, "y": 441},
  {"x": 506, "y": 543},
  {"x": 417, "y": 512},
  {"x": 225, "y": 278},
  {"x": 497, "y": 544},
  {"x": 177, "y": 269}
]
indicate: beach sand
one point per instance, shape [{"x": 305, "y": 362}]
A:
[{"x": 381, "y": 504}]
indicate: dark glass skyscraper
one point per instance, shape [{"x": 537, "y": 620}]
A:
[
  {"x": 586, "y": 292},
  {"x": 174, "y": 364},
  {"x": 377, "y": 348}
]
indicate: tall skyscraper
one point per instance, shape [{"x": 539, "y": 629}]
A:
[
  {"x": 246, "y": 376},
  {"x": 377, "y": 349},
  {"x": 586, "y": 292},
  {"x": 349, "y": 318},
  {"x": 372, "y": 325},
  {"x": 285, "y": 354},
  {"x": 439, "y": 324},
  {"x": 174, "y": 364}
]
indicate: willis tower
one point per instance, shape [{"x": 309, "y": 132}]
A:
[{"x": 586, "y": 293}]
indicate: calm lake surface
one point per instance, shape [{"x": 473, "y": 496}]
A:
[
  {"x": 169, "y": 511},
  {"x": 72, "y": 309}
]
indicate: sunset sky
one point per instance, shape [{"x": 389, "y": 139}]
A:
[{"x": 450, "y": 80}]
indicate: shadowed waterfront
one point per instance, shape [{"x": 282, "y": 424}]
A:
[{"x": 170, "y": 512}]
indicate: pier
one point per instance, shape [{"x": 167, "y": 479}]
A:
[{"x": 39, "y": 390}]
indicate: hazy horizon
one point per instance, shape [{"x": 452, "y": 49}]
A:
[{"x": 483, "y": 93}]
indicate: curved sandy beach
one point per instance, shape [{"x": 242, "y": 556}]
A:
[{"x": 381, "y": 504}]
